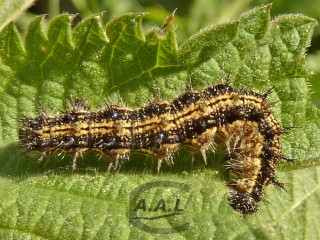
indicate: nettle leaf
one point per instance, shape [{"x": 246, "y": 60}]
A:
[{"x": 122, "y": 63}]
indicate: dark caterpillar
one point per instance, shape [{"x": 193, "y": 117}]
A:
[{"x": 198, "y": 120}]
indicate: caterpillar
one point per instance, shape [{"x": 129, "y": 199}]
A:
[{"x": 220, "y": 114}]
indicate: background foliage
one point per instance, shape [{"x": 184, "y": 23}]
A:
[
  {"x": 54, "y": 63},
  {"x": 192, "y": 15}
]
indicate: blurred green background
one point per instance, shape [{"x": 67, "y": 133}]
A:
[{"x": 190, "y": 17}]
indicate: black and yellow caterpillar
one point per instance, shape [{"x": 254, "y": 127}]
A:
[{"x": 240, "y": 119}]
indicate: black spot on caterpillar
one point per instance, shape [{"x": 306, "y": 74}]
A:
[{"x": 240, "y": 119}]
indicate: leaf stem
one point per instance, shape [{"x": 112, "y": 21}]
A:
[{"x": 53, "y": 8}]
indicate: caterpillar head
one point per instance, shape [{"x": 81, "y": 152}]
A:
[{"x": 242, "y": 202}]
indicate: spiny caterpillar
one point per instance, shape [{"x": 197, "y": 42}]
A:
[{"x": 197, "y": 120}]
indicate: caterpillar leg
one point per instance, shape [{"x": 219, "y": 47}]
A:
[
  {"x": 77, "y": 153},
  {"x": 115, "y": 158}
]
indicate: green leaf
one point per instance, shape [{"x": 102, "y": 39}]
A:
[
  {"x": 121, "y": 61},
  {"x": 10, "y": 9}
]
